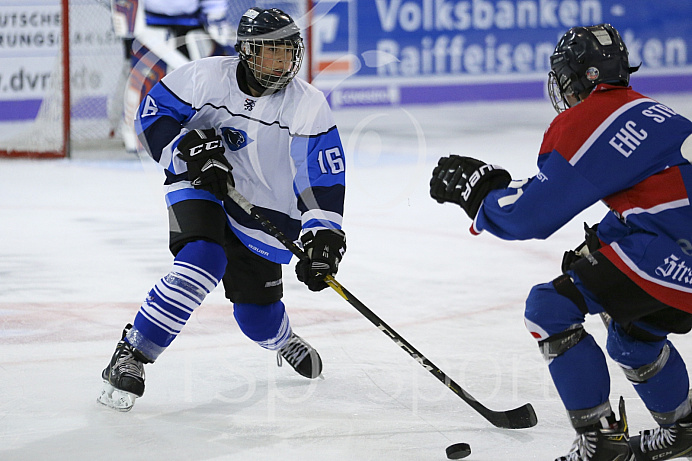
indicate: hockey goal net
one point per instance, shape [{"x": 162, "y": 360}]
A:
[
  {"x": 58, "y": 95},
  {"x": 62, "y": 91}
]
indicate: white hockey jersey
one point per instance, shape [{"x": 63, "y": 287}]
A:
[{"x": 285, "y": 148}]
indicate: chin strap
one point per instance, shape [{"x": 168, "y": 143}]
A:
[{"x": 247, "y": 80}]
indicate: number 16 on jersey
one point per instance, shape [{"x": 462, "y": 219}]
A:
[{"x": 331, "y": 161}]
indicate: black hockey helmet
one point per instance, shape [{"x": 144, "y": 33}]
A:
[
  {"x": 583, "y": 58},
  {"x": 270, "y": 45}
]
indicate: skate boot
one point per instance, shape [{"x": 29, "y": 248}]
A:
[
  {"x": 664, "y": 442},
  {"x": 123, "y": 378},
  {"x": 301, "y": 356},
  {"x": 598, "y": 443}
]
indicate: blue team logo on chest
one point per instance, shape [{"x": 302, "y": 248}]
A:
[{"x": 235, "y": 139}]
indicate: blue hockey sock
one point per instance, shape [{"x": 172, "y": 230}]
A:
[
  {"x": 580, "y": 372},
  {"x": 197, "y": 270},
  {"x": 664, "y": 384},
  {"x": 268, "y": 325},
  {"x": 669, "y": 388},
  {"x": 581, "y": 375}
]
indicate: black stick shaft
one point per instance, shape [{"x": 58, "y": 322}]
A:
[{"x": 518, "y": 418}]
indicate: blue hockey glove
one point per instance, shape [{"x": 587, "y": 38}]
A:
[
  {"x": 207, "y": 168},
  {"x": 324, "y": 249},
  {"x": 466, "y": 181}
]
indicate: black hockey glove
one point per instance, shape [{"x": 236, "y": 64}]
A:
[
  {"x": 324, "y": 248},
  {"x": 207, "y": 168},
  {"x": 466, "y": 181},
  {"x": 590, "y": 245}
]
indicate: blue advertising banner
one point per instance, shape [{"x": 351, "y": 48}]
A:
[{"x": 369, "y": 52}]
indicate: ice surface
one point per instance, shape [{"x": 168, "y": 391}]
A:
[{"x": 83, "y": 240}]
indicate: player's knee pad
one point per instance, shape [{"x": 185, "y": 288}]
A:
[
  {"x": 550, "y": 311},
  {"x": 640, "y": 360},
  {"x": 208, "y": 257},
  {"x": 559, "y": 343},
  {"x": 266, "y": 324}
]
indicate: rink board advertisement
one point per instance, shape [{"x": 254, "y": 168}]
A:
[
  {"x": 371, "y": 52},
  {"x": 30, "y": 41},
  {"x": 29, "y": 44}
]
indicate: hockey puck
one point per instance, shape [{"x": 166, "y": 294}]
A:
[{"x": 458, "y": 450}]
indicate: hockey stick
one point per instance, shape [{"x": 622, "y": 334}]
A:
[{"x": 518, "y": 418}]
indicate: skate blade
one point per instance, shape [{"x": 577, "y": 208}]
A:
[{"x": 115, "y": 398}]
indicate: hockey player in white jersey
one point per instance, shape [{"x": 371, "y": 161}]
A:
[{"x": 247, "y": 121}]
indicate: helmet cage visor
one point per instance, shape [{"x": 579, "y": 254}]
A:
[
  {"x": 563, "y": 82},
  {"x": 556, "y": 94},
  {"x": 273, "y": 63}
]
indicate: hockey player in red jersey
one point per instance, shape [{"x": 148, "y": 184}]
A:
[{"x": 610, "y": 144}]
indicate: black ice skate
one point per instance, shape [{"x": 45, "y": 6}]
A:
[
  {"x": 123, "y": 378},
  {"x": 301, "y": 356},
  {"x": 664, "y": 442},
  {"x": 597, "y": 443}
]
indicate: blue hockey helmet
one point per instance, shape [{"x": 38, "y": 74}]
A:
[
  {"x": 270, "y": 45},
  {"x": 583, "y": 58}
]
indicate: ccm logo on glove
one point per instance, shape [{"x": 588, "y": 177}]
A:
[
  {"x": 207, "y": 167},
  {"x": 206, "y": 147}
]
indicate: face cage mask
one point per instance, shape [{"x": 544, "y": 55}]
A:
[
  {"x": 258, "y": 53},
  {"x": 556, "y": 94}
]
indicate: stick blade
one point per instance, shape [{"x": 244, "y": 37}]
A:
[{"x": 518, "y": 418}]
